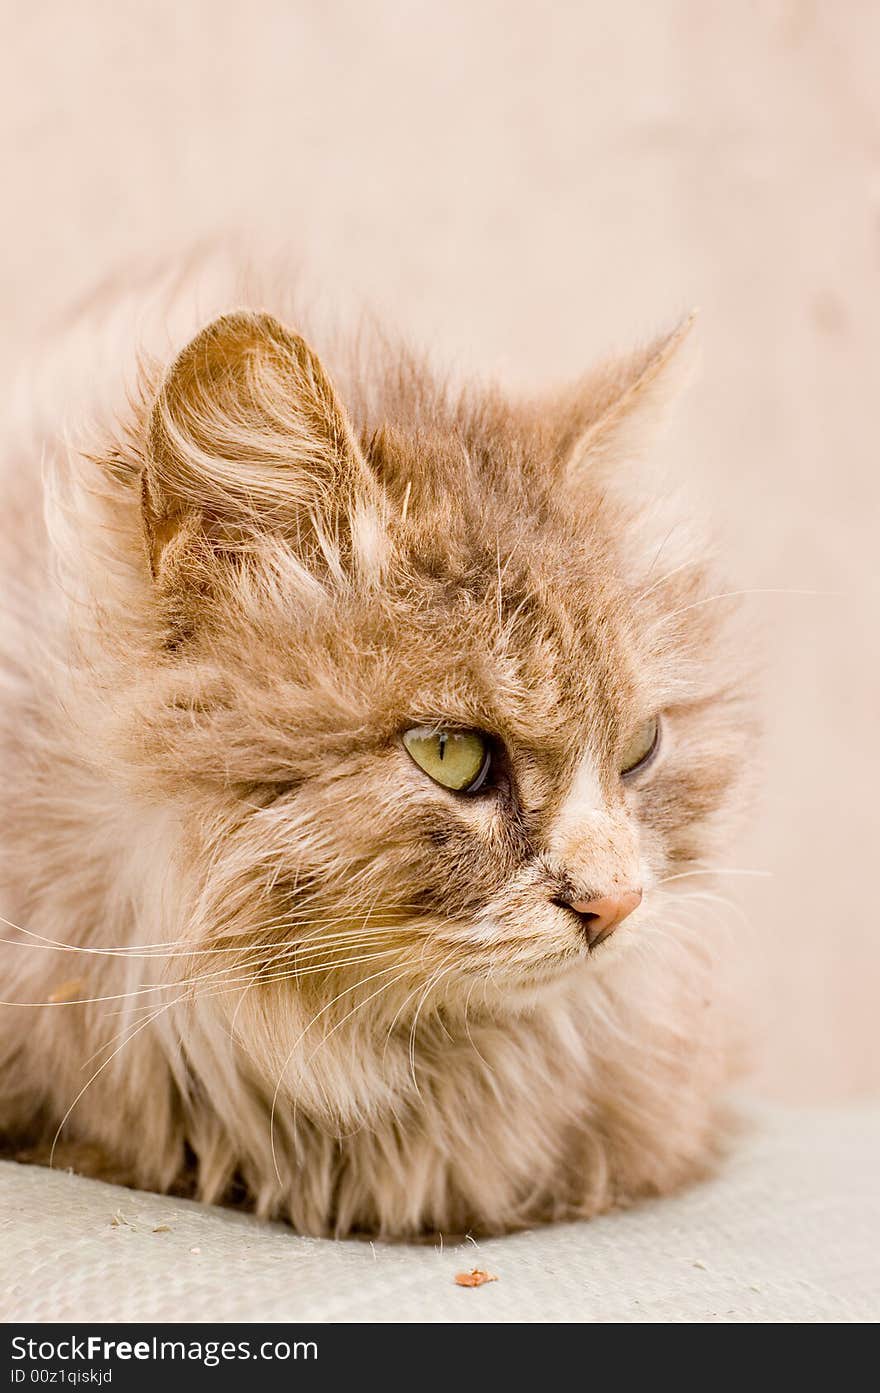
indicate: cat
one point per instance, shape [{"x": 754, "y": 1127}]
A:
[{"x": 364, "y": 736}]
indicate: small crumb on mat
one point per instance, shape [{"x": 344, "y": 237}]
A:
[
  {"x": 162, "y": 1228},
  {"x": 475, "y": 1278},
  {"x": 195, "y": 1250}
]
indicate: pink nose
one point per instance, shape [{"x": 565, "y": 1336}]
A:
[{"x": 601, "y": 916}]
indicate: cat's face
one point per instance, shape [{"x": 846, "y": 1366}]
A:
[{"x": 420, "y": 692}]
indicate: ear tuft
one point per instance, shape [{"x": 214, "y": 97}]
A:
[
  {"x": 622, "y": 407},
  {"x": 247, "y": 435}
]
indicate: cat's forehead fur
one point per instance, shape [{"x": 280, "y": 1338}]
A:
[
  {"x": 496, "y": 607},
  {"x": 459, "y": 575},
  {"x": 505, "y": 583}
]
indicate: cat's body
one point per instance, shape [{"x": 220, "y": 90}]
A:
[{"x": 269, "y": 958}]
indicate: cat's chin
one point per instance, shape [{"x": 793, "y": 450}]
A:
[
  {"x": 522, "y": 987},
  {"x": 513, "y": 990}
]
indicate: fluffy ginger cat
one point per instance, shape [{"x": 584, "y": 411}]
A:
[{"x": 363, "y": 740}]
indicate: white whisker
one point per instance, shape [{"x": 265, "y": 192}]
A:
[
  {"x": 737, "y": 594},
  {"x": 713, "y": 870},
  {"x": 100, "y": 1070}
]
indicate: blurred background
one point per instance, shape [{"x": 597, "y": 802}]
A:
[{"x": 523, "y": 187}]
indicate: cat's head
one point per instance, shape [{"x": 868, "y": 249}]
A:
[{"x": 434, "y": 694}]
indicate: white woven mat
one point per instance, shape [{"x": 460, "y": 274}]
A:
[{"x": 790, "y": 1231}]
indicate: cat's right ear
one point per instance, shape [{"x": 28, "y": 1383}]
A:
[
  {"x": 247, "y": 438},
  {"x": 615, "y": 415}
]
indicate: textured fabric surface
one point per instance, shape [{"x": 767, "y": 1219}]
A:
[{"x": 789, "y": 1231}]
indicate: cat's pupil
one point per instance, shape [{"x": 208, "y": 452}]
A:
[{"x": 443, "y": 739}]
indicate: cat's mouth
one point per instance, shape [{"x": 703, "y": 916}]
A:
[
  {"x": 543, "y": 944},
  {"x": 525, "y": 982}
]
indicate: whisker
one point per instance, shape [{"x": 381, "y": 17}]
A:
[
  {"x": 736, "y": 594},
  {"x": 139, "y": 951},
  {"x": 381, "y": 973},
  {"x": 254, "y": 975},
  {"x": 99, "y": 1071},
  {"x": 684, "y": 566},
  {"x": 398, "y": 1013},
  {"x": 432, "y": 983},
  {"x": 291, "y": 975},
  {"x": 698, "y": 897},
  {"x": 713, "y": 870}
]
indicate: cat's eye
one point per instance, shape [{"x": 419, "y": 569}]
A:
[
  {"x": 458, "y": 759},
  {"x": 641, "y": 747}
]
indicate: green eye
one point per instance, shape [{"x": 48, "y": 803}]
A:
[
  {"x": 640, "y": 746},
  {"x": 457, "y": 759}
]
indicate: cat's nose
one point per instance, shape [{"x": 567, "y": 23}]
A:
[{"x": 601, "y": 916}]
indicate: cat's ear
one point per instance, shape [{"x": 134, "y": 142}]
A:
[
  {"x": 248, "y": 438},
  {"x": 616, "y": 414}
]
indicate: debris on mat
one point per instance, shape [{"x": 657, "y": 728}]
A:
[{"x": 475, "y": 1278}]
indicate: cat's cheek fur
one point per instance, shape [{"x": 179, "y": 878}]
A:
[{"x": 302, "y": 978}]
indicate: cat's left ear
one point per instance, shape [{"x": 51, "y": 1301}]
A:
[
  {"x": 248, "y": 438},
  {"x": 621, "y": 408}
]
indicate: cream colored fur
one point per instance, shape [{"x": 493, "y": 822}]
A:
[{"x": 266, "y": 960}]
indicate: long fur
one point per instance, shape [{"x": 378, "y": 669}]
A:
[{"x": 260, "y": 956}]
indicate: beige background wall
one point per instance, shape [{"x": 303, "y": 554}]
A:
[{"x": 523, "y": 186}]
